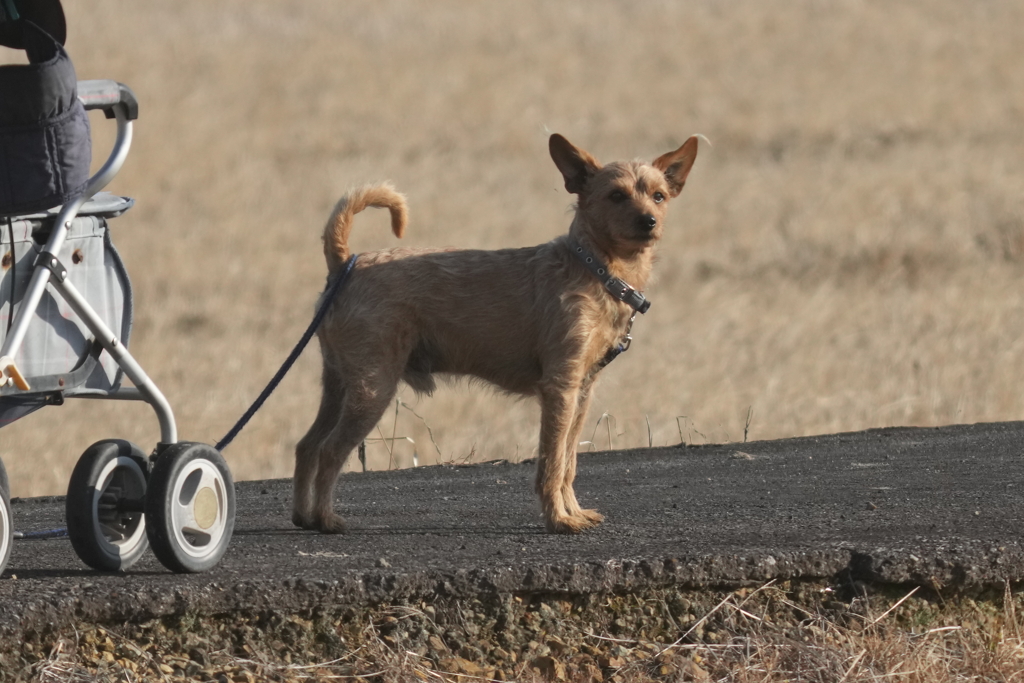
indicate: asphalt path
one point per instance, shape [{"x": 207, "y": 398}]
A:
[{"x": 936, "y": 507}]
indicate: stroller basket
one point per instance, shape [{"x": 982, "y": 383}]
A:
[{"x": 60, "y": 357}]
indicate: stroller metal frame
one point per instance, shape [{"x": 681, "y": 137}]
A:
[{"x": 181, "y": 498}]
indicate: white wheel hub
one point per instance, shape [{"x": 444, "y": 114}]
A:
[{"x": 199, "y": 508}]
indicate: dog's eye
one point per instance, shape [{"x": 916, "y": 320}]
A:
[
  {"x": 658, "y": 198},
  {"x": 617, "y": 196}
]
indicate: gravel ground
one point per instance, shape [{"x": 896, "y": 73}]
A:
[{"x": 661, "y": 635}]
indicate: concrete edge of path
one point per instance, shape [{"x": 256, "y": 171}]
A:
[{"x": 111, "y": 604}]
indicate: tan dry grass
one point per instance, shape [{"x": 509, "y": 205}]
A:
[{"x": 847, "y": 255}]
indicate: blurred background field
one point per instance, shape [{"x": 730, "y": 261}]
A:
[{"x": 848, "y": 253}]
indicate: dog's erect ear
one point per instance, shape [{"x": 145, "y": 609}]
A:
[
  {"x": 575, "y": 164},
  {"x": 676, "y": 165}
]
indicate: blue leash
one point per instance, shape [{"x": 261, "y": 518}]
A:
[
  {"x": 329, "y": 295},
  {"x": 39, "y": 535}
]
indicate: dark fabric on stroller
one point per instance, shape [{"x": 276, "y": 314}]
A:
[
  {"x": 45, "y": 148},
  {"x": 46, "y": 14}
]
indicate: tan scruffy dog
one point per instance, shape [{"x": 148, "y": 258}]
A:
[{"x": 538, "y": 321}]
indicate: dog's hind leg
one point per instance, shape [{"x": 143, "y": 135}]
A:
[
  {"x": 307, "y": 451},
  {"x": 572, "y": 443},
  {"x": 364, "y": 404}
]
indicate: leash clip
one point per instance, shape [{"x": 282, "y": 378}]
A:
[{"x": 626, "y": 341}]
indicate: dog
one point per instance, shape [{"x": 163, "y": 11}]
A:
[{"x": 536, "y": 321}]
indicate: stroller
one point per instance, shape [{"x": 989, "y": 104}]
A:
[{"x": 66, "y": 314}]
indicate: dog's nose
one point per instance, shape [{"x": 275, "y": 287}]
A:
[{"x": 648, "y": 222}]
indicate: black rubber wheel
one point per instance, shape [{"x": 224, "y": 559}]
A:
[
  {"x": 104, "y": 505},
  {"x": 6, "y": 522},
  {"x": 190, "y": 507}
]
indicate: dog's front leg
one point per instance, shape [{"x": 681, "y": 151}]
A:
[
  {"x": 559, "y": 401},
  {"x": 572, "y": 443}
]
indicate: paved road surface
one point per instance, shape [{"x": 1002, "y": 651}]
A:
[{"x": 926, "y": 506}]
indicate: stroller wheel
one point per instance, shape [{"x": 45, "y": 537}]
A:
[
  {"x": 6, "y": 523},
  {"x": 190, "y": 507},
  {"x": 104, "y": 505}
]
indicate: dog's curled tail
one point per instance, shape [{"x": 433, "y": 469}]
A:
[{"x": 339, "y": 226}]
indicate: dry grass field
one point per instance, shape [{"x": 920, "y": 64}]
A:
[{"x": 848, "y": 252}]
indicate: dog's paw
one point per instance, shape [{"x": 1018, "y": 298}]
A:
[
  {"x": 330, "y": 524},
  {"x": 302, "y": 521},
  {"x": 564, "y": 524},
  {"x": 593, "y": 517}
]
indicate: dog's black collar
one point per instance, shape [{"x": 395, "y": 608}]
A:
[{"x": 617, "y": 287}]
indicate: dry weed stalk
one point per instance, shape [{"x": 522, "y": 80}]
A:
[
  {"x": 860, "y": 649},
  {"x": 389, "y": 441}
]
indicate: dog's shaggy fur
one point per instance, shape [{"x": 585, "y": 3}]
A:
[{"x": 533, "y": 321}]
